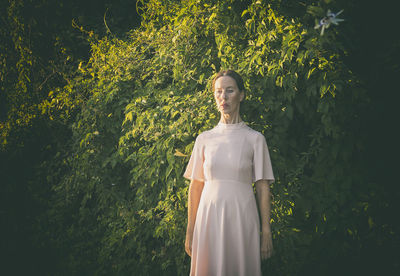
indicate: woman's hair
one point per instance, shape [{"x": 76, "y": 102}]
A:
[{"x": 233, "y": 75}]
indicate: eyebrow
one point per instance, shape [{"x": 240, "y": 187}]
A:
[{"x": 227, "y": 87}]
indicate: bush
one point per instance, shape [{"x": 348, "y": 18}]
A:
[{"x": 121, "y": 206}]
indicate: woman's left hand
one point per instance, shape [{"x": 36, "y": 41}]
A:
[{"x": 266, "y": 244}]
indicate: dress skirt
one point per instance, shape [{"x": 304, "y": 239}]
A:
[{"x": 226, "y": 238}]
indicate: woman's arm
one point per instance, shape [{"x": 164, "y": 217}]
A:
[
  {"x": 264, "y": 206},
  {"x": 195, "y": 190}
]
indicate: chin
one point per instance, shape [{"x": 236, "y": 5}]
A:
[{"x": 226, "y": 112}]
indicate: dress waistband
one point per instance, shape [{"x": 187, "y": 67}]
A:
[{"x": 217, "y": 181}]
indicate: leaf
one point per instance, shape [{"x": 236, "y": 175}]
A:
[{"x": 180, "y": 154}]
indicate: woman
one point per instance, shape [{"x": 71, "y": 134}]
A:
[{"x": 223, "y": 231}]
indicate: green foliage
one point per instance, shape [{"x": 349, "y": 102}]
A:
[
  {"x": 150, "y": 98},
  {"x": 42, "y": 44},
  {"x": 40, "y": 51},
  {"x": 118, "y": 197}
]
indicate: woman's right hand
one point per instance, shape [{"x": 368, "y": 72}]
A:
[
  {"x": 188, "y": 242},
  {"x": 195, "y": 190}
]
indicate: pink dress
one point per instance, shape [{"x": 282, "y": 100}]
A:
[{"x": 226, "y": 237}]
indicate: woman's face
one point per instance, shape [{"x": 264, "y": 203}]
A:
[{"x": 227, "y": 95}]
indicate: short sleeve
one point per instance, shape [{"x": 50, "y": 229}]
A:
[
  {"x": 262, "y": 168},
  {"x": 194, "y": 169}
]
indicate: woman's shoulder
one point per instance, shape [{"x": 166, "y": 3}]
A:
[
  {"x": 253, "y": 133},
  {"x": 204, "y": 135},
  {"x": 246, "y": 129}
]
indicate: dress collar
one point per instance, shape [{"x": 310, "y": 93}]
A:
[{"x": 231, "y": 126}]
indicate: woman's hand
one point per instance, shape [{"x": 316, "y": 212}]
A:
[
  {"x": 266, "y": 243},
  {"x": 195, "y": 190},
  {"x": 263, "y": 200},
  {"x": 188, "y": 242}
]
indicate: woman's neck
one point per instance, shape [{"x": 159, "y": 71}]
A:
[{"x": 230, "y": 118}]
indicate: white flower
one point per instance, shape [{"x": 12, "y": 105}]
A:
[{"x": 331, "y": 18}]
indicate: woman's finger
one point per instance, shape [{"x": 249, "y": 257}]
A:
[
  {"x": 188, "y": 249},
  {"x": 266, "y": 249}
]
